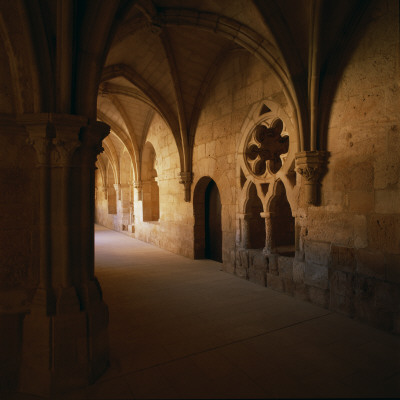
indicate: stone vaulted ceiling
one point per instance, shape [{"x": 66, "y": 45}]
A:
[{"x": 164, "y": 54}]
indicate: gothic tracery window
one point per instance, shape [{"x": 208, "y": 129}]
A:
[{"x": 265, "y": 146}]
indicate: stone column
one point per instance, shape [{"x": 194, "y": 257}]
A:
[
  {"x": 65, "y": 337},
  {"x": 310, "y": 165},
  {"x": 125, "y": 205},
  {"x": 186, "y": 180},
  {"x": 244, "y": 230},
  {"x": 125, "y": 197},
  {"x": 118, "y": 224},
  {"x": 131, "y": 225},
  {"x": 269, "y": 239},
  {"x": 117, "y": 188},
  {"x": 103, "y": 189},
  {"x": 90, "y": 292},
  {"x": 139, "y": 190}
]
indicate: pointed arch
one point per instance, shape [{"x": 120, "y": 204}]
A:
[
  {"x": 122, "y": 70},
  {"x": 126, "y": 139}
]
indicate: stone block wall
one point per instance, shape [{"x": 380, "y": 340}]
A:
[
  {"x": 348, "y": 246},
  {"x": 352, "y": 245},
  {"x": 174, "y": 229},
  {"x": 240, "y": 84}
]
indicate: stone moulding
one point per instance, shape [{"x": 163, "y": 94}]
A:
[{"x": 186, "y": 180}]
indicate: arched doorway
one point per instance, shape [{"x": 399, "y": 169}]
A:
[
  {"x": 207, "y": 209},
  {"x": 256, "y": 224},
  {"x": 283, "y": 223},
  {"x": 213, "y": 229}
]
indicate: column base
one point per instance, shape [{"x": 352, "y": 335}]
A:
[{"x": 63, "y": 351}]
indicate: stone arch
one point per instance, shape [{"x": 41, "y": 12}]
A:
[
  {"x": 111, "y": 194},
  {"x": 256, "y": 224},
  {"x": 158, "y": 103},
  {"x": 205, "y": 188},
  {"x": 126, "y": 194},
  {"x": 127, "y": 141},
  {"x": 16, "y": 38},
  {"x": 282, "y": 222},
  {"x": 150, "y": 189},
  {"x": 269, "y": 113},
  {"x": 255, "y": 118},
  {"x": 250, "y": 40},
  {"x": 126, "y": 168}
]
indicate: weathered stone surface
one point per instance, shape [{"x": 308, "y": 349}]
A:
[
  {"x": 318, "y": 296},
  {"x": 387, "y": 295},
  {"x": 384, "y": 233},
  {"x": 317, "y": 252},
  {"x": 299, "y": 268},
  {"x": 301, "y": 291},
  {"x": 376, "y": 302},
  {"x": 273, "y": 264},
  {"x": 244, "y": 258},
  {"x": 275, "y": 282},
  {"x": 361, "y": 202},
  {"x": 392, "y": 263},
  {"x": 371, "y": 263},
  {"x": 285, "y": 267},
  {"x": 342, "y": 292},
  {"x": 360, "y": 231},
  {"x": 289, "y": 286},
  {"x": 258, "y": 275},
  {"x": 257, "y": 267},
  {"x": 364, "y": 289},
  {"x": 387, "y": 201},
  {"x": 242, "y": 268},
  {"x": 316, "y": 275},
  {"x": 342, "y": 283},
  {"x": 341, "y": 304},
  {"x": 260, "y": 260},
  {"x": 343, "y": 258},
  {"x": 387, "y": 171}
]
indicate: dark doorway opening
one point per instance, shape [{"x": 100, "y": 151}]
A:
[
  {"x": 256, "y": 224},
  {"x": 207, "y": 220},
  {"x": 283, "y": 223},
  {"x": 213, "y": 230}
]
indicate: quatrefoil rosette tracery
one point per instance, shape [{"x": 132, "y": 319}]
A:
[{"x": 266, "y": 148}]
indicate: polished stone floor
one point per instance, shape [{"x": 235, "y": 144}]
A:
[{"x": 184, "y": 329}]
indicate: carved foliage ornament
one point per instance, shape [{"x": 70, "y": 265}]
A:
[
  {"x": 310, "y": 165},
  {"x": 311, "y": 174}
]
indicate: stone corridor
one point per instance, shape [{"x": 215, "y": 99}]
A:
[{"x": 185, "y": 329}]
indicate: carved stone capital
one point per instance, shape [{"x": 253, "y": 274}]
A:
[
  {"x": 186, "y": 180},
  {"x": 138, "y": 186},
  {"x": 91, "y": 138},
  {"x": 55, "y": 137},
  {"x": 311, "y": 166},
  {"x": 62, "y": 151},
  {"x": 267, "y": 215},
  {"x": 42, "y": 147}
]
